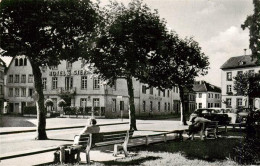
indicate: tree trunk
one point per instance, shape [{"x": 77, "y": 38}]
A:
[
  {"x": 131, "y": 103},
  {"x": 41, "y": 113},
  {"x": 183, "y": 118}
]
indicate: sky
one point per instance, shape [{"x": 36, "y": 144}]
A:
[{"x": 215, "y": 24}]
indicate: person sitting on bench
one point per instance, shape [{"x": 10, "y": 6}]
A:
[
  {"x": 90, "y": 128},
  {"x": 197, "y": 124}
]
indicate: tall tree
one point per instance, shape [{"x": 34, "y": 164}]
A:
[
  {"x": 183, "y": 61},
  {"x": 131, "y": 37},
  {"x": 46, "y": 31},
  {"x": 248, "y": 84},
  {"x": 252, "y": 22}
]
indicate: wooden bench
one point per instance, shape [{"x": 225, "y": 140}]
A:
[
  {"x": 90, "y": 141},
  {"x": 208, "y": 128}
]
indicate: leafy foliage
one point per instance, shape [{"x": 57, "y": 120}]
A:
[
  {"x": 47, "y": 31},
  {"x": 252, "y": 22},
  {"x": 247, "y": 84}
]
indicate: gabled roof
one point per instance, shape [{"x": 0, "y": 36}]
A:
[
  {"x": 239, "y": 62},
  {"x": 203, "y": 86}
]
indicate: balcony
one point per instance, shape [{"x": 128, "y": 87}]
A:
[{"x": 71, "y": 91}]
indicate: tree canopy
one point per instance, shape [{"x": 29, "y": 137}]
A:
[
  {"x": 47, "y": 31},
  {"x": 248, "y": 84},
  {"x": 252, "y": 22}
]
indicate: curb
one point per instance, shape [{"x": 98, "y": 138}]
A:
[{"x": 57, "y": 128}]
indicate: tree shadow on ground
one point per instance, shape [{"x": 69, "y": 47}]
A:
[
  {"x": 10, "y": 121},
  {"x": 138, "y": 161}
]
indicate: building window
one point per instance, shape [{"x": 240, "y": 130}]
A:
[
  {"x": 10, "y": 79},
  {"x": 239, "y": 72},
  {"x": 208, "y": 105},
  {"x": 169, "y": 107},
  {"x": 163, "y": 93},
  {"x": 159, "y": 92},
  {"x": 122, "y": 106},
  {"x": 16, "y": 78},
  {"x": 229, "y": 88},
  {"x": 25, "y": 61},
  {"x": 54, "y": 83},
  {"x": 159, "y": 106},
  {"x": 208, "y": 95},
  {"x": 83, "y": 102},
  {"x": 239, "y": 102},
  {"x": 68, "y": 83},
  {"x": 30, "y": 92},
  {"x": 23, "y": 78},
  {"x": 177, "y": 90},
  {"x": 11, "y": 92},
  {"x": 151, "y": 90},
  {"x": 143, "y": 89},
  {"x": 16, "y": 63},
  {"x": 113, "y": 105},
  {"x": 151, "y": 106},
  {"x": 68, "y": 65},
  {"x": 21, "y": 62},
  {"x": 144, "y": 106},
  {"x": 44, "y": 83},
  {"x": 200, "y": 105},
  {"x": 200, "y": 95},
  {"x": 84, "y": 82},
  {"x": 96, "y": 102},
  {"x": 23, "y": 93},
  {"x": 1, "y": 75},
  {"x": 168, "y": 93},
  {"x": 229, "y": 76},
  {"x": 17, "y": 92},
  {"x": 113, "y": 86},
  {"x": 165, "y": 106},
  {"x": 30, "y": 78},
  {"x": 96, "y": 83},
  {"x": 228, "y": 102}
]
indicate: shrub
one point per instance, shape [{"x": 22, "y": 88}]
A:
[
  {"x": 30, "y": 110},
  {"x": 48, "y": 103},
  {"x": 61, "y": 103},
  {"x": 248, "y": 152}
]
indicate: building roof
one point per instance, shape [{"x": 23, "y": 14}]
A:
[
  {"x": 203, "y": 86},
  {"x": 239, "y": 62}
]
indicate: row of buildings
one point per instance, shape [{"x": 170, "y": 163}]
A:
[{"x": 83, "y": 89}]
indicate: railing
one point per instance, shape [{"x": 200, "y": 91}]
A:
[{"x": 62, "y": 90}]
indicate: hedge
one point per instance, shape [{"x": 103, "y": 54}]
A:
[{"x": 30, "y": 110}]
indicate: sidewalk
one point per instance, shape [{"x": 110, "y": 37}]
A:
[
  {"x": 96, "y": 155},
  {"x": 145, "y": 127}
]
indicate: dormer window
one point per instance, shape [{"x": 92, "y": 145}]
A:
[{"x": 241, "y": 63}]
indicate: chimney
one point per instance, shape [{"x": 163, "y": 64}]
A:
[{"x": 245, "y": 50}]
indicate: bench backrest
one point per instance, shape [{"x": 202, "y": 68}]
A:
[
  {"x": 212, "y": 124},
  {"x": 86, "y": 139}
]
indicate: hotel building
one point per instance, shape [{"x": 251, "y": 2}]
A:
[
  {"x": 74, "y": 83},
  {"x": 232, "y": 67}
]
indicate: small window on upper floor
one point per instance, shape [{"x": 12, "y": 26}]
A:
[
  {"x": 25, "y": 61},
  {"x": 21, "y": 62},
  {"x": 16, "y": 63}
]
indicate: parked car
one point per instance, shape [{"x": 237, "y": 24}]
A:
[
  {"x": 242, "y": 114},
  {"x": 213, "y": 114}
]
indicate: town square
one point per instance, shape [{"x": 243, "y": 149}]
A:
[{"x": 130, "y": 82}]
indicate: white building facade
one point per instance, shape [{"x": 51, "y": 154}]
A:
[
  {"x": 2, "y": 73},
  {"x": 80, "y": 88},
  {"x": 230, "y": 69},
  {"x": 19, "y": 85},
  {"x": 207, "y": 95}
]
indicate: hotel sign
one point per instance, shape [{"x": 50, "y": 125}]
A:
[{"x": 68, "y": 73}]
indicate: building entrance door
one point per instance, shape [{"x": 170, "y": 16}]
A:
[
  {"x": 54, "y": 104},
  {"x": 23, "y": 105}
]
